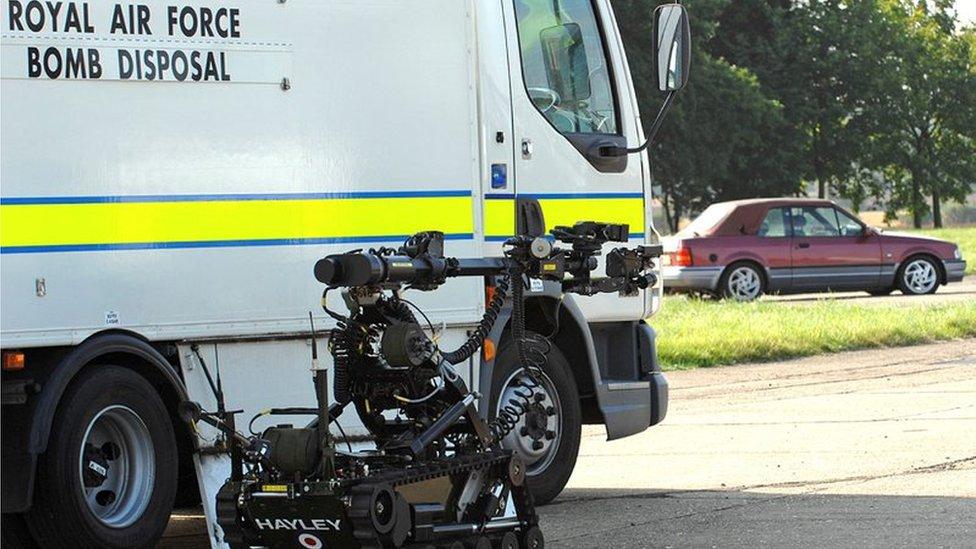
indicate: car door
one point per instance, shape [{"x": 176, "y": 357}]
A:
[
  {"x": 772, "y": 244},
  {"x": 832, "y": 250}
]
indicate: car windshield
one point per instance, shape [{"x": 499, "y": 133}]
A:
[{"x": 708, "y": 219}]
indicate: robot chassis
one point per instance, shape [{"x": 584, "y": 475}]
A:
[{"x": 438, "y": 476}]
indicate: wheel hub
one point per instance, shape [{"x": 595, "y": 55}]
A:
[
  {"x": 920, "y": 276},
  {"x": 744, "y": 284},
  {"x": 95, "y": 469},
  {"x": 117, "y": 466},
  {"x": 535, "y": 437}
]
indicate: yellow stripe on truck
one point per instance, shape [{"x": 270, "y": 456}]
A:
[
  {"x": 500, "y": 213},
  {"x": 34, "y": 227}
]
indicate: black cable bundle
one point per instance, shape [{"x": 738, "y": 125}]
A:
[
  {"x": 344, "y": 345},
  {"x": 471, "y": 346},
  {"x": 531, "y": 356}
]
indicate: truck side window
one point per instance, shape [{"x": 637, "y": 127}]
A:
[{"x": 564, "y": 65}]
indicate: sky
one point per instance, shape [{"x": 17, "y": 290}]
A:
[{"x": 967, "y": 10}]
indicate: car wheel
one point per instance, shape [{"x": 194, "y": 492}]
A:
[
  {"x": 547, "y": 437},
  {"x": 108, "y": 477},
  {"x": 919, "y": 276},
  {"x": 742, "y": 282}
]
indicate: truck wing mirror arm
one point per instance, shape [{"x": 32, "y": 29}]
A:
[{"x": 614, "y": 150}]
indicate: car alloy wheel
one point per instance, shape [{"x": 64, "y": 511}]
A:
[
  {"x": 920, "y": 276},
  {"x": 744, "y": 284}
]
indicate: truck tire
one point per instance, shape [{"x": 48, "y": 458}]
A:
[
  {"x": 547, "y": 438},
  {"x": 14, "y": 532},
  {"x": 108, "y": 477}
]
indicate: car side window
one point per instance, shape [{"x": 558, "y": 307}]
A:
[
  {"x": 564, "y": 64},
  {"x": 774, "y": 224},
  {"x": 815, "y": 221},
  {"x": 848, "y": 225}
]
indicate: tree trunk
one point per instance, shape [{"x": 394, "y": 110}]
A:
[
  {"x": 936, "y": 208},
  {"x": 916, "y": 199},
  {"x": 821, "y": 188},
  {"x": 665, "y": 203}
]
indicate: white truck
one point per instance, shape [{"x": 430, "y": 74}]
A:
[{"x": 171, "y": 171}]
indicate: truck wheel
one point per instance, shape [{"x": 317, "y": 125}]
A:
[
  {"x": 108, "y": 477},
  {"x": 547, "y": 437},
  {"x": 15, "y": 533}
]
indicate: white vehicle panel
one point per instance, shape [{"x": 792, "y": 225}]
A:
[{"x": 397, "y": 116}]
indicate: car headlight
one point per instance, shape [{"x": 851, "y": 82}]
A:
[{"x": 957, "y": 253}]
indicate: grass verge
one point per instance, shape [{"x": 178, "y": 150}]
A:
[
  {"x": 964, "y": 237},
  {"x": 695, "y": 333}
]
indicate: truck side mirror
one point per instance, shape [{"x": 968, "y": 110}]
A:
[
  {"x": 672, "y": 63},
  {"x": 672, "y": 47}
]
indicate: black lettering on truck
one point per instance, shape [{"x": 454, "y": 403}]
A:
[
  {"x": 182, "y": 65},
  {"x": 40, "y": 16},
  {"x": 73, "y": 63},
  {"x": 190, "y": 22},
  {"x": 135, "y": 20}
]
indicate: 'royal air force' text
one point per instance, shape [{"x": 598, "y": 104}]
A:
[{"x": 77, "y": 19}]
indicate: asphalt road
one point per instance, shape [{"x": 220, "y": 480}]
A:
[
  {"x": 957, "y": 291},
  {"x": 867, "y": 448}
]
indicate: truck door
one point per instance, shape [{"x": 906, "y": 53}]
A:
[{"x": 570, "y": 96}]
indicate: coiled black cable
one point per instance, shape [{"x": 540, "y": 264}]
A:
[
  {"x": 477, "y": 337},
  {"x": 533, "y": 351},
  {"x": 345, "y": 343}
]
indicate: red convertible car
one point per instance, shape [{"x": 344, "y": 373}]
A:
[{"x": 745, "y": 248}]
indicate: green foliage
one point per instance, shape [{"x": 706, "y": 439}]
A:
[
  {"x": 696, "y": 333},
  {"x": 867, "y": 98},
  {"x": 720, "y": 140},
  {"x": 923, "y": 112}
]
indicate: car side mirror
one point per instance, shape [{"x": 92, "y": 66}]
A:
[{"x": 672, "y": 47}]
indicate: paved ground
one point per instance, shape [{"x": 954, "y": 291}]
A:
[
  {"x": 957, "y": 291},
  {"x": 867, "y": 448}
]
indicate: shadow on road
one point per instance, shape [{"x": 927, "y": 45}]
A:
[
  {"x": 735, "y": 518},
  {"x": 621, "y": 518}
]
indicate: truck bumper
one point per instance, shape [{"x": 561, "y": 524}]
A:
[
  {"x": 659, "y": 398},
  {"x": 955, "y": 269},
  {"x": 632, "y": 392},
  {"x": 691, "y": 278}
]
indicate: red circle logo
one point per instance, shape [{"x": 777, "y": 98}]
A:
[{"x": 310, "y": 541}]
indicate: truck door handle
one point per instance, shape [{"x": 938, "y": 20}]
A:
[{"x": 803, "y": 245}]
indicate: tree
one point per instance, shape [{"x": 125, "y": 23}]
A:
[
  {"x": 924, "y": 116},
  {"x": 819, "y": 59},
  {"x": 723, "y": 138}
]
